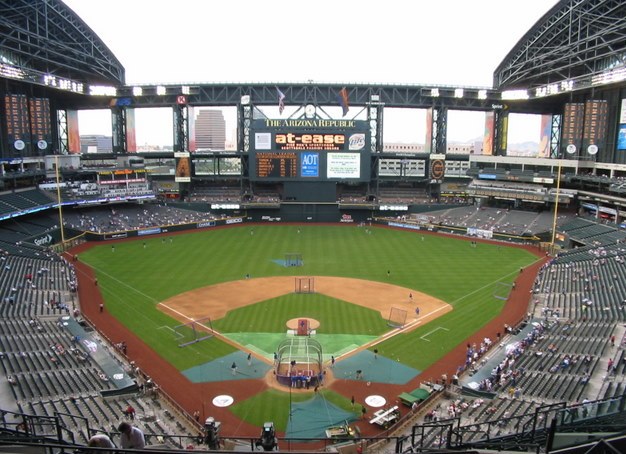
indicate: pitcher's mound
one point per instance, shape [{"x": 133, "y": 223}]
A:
[{"x": 293, "y": 323}]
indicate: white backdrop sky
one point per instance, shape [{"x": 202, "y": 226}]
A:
[{"x": 445, "y": 42}]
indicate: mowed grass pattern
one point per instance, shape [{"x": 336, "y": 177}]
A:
[
  {"x": 270, "y": 316},
  {"x": 134, "y": 278}
]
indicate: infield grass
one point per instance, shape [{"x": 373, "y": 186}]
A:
[
  {"x": 134, "y": 278},
  {"x": 269, "y": 316}
]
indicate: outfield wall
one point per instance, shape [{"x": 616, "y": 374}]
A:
[
  {"x": 301, "y": 213},
  {"x": 312, "y": 213}
]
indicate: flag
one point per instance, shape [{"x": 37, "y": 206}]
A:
[
  {"x": 281, "y": 101},
  {"x": 342, "y": 97}
]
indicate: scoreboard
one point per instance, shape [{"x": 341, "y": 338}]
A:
[
  {"x": 573, "y": 118},
  {"x": 28, "y": 125},
  {"x": 595, "y": 126},
  {"x": 310, "y": 150},
  {"x": 17, "y": 123},
  {"x": 40, "y": 123},
  {"x": 277, "y": 165}
]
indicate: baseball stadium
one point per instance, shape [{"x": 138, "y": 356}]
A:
[{"x": 313, "y": 288}]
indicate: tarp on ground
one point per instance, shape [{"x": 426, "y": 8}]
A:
[
  {"x": 311, "y": 418},
  {"x": 374, "y": 368},
  {"x": 220, "y": 369}
]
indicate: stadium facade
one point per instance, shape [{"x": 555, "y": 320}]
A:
[{"x": 569, "y": 68}]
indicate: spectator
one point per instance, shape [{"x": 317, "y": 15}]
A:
[
  {"x": 131, "y": 437},
  {"x": 130, "y": 412},
  {"x": 100, "y": 441}
]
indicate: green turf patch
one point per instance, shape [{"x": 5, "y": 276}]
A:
[{"x": 265, "y": 344}]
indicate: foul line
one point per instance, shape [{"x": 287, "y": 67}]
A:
[
  {"x": 430, "y": 332},
  {"x": 126, "y": 285},
  {"x": 483, "y": 287},
  {"x": 176, "y": 312},
  {"x": 393, "y": 333}
]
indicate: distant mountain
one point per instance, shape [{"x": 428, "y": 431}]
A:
[{"x": 523, "y": 149}]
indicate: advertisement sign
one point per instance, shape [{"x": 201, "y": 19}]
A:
[
  {"x": 309, "y": 148},
  {"x": 310, "y": 165}
]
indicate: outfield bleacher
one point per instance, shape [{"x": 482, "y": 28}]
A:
[
  {"x": 18, "y": 201},
  {"x": 513, "y": 222}
]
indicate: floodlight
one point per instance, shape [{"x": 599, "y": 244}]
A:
[
  {"x": 515, "y": 94},
  {"x": 102, "y": 90}
]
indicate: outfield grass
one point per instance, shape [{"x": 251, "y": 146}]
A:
[{"x": 134, "y": 278}]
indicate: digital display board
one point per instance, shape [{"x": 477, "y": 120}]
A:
[
  {"x": 18, "y": 124},
  {"x": 309, "y": 149},
  {"x": 343, "y": 165},
  {"x": 183, "y": 167},
  {"x": 277, "y": 165},
  {"x": 310, "y": 165},
  {"x": 573, "y": 117},
  {"x": 621, "y": 137},
  {"x": 40, "y": 125},
  {"x": 595, "y": 126}
]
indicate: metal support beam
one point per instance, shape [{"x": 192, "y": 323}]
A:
[
  {"x": 500, "y": 141},
  {"x": 440, "y": 125},
  {"x": 244, "y": 122},
  {"x": 555, "y": 136},
  {"x": 62, "y": 142},
  {"x": 181, "y": 127},
  {"x": 118, "y": 127}
]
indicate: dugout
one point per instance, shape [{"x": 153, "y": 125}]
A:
[{"x": 299, "y": 362}]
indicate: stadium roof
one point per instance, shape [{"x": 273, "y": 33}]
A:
[
  {"x": 573, "y": 40},
  {"x": 48, "y": 37}
]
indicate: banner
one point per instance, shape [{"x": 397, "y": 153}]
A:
[{"x": 489, "y": 131}]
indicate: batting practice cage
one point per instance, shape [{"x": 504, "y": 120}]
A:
[
  {"x": 397, "y": 317},
  {"x": 299, "y": 362},
  {"x": 304, "y": 285},
  {"x": 293, "y": 259},
  {"x": 194, "y": 331}
]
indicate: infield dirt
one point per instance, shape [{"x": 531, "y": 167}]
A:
[{"x": 216, "y": 300}]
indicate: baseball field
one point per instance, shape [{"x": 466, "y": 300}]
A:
[{"x": 236, "y": 281}]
